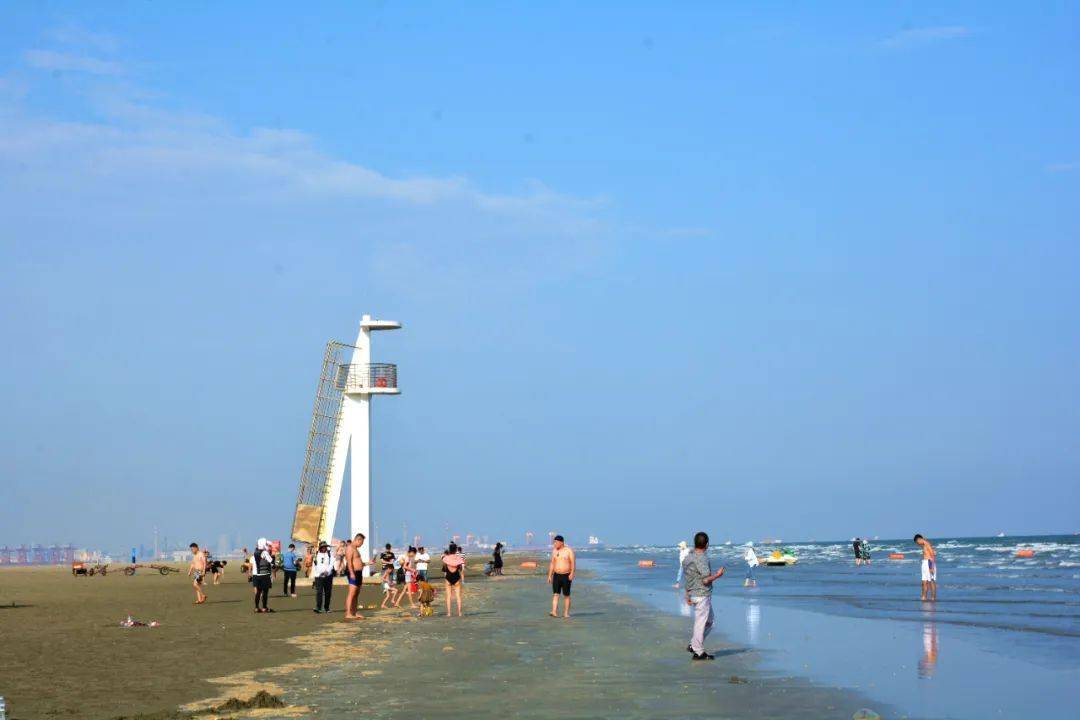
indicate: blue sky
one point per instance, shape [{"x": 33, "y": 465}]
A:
[{"x": 767, "y": 270}]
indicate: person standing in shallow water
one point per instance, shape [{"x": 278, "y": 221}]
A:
[
  {"x": 699, "y": 580},
  {"x": 929, "y": 568},
  {"x": 684, "y": 550},
  {"x": 751, "y": 562},
  {"x": 561, "y": 572}
]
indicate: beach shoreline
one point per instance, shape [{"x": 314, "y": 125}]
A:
[{"x": 617, "y": 657}]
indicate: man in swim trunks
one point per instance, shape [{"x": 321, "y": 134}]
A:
[
  {"x": 560, "y": 575},
  {"x": 197, "y": 570},
  {"x": 929, "y": 568},
  {"x": 354, "y": 570}
]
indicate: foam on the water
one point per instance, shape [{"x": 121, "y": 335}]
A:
[{"x": 1003, "y": 639}]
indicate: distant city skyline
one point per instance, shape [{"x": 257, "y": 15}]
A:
[{"x": 790, "y": 271}]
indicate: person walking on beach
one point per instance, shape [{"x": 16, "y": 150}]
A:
[
  {"x": 262, "y": 565},
  {"x": 322, "y": 569},
  {"x": 388, "y": 587},
  {"x": 408, "y": 586},
  {"x": 387, "y": 557},
  {"x": 929, "y": 568},
  {"x": 422, "y": 560},
  {"x": 354, "y": 569},
  {"x": 561, "y": 572},
  {"x": 289, "y": 564},
  {"x": 684, "y": 550},
  {"x": 454, "y": 572},
  {"x": 699, "y": 580},
  {"x": 197, "y": 571},
  {"x": 497, "y": 559},
  {"x": 751, "y": 562}
]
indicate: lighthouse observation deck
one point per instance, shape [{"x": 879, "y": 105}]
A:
[{"x": 370, "y": 379}]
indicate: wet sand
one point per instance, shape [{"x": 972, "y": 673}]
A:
[{"x": 616, "y": 658}]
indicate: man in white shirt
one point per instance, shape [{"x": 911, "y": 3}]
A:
[
  {"x": 422, "y": 560},
  {"x": 322, "y": 569},
  {"x": 684, "y": 550},
  {"x": 751, "y": 562}
]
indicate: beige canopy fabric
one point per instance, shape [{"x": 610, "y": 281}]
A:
[{"x": 306, "y": 523}]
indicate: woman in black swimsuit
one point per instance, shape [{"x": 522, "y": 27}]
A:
[{"x": 453, "y": 566}]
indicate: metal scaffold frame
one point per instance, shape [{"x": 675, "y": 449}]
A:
[{"x": 325, "y": 426}]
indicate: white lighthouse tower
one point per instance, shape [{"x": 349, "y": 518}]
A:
[{"x": 340, "y": 433}]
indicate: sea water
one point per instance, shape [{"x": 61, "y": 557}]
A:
[{"x": 1003, "y": 639}]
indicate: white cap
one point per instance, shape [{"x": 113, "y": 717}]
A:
[
  {"x": 261, "y": 544},
  {"x": 682, "y": 543}
]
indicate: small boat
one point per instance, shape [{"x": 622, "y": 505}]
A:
[{"x": 779, "y": 558}]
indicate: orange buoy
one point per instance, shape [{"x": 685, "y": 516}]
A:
[
  {"x": 1025, "y": 553},
  {"x": 529, "y": 564},
  {"x": 896, "y": 556},
  {"x": 646, "y": 563}
]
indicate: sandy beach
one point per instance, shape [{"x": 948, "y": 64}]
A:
[{"x": 615, "y": 658}]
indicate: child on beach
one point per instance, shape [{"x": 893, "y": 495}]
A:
[
  {"x": 408, "y": 587},
  {"x": 427, "y": 597},
  {"x": 387, "y": 586}
]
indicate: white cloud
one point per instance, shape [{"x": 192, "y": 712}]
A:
[
  {"x": 1063, "y": 167},
  {"x": 914, "y": 37},
  {"x": 132, "y": 166},
  {"x": 52, "y": 60}
]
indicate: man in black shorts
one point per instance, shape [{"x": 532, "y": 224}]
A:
[{"x": 560, "y": 575}]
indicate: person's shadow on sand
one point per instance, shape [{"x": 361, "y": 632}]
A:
[{"x": 731, "y": 651}]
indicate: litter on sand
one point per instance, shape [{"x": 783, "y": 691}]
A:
[{"x": 131, "y": 622}]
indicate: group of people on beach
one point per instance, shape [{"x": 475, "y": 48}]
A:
[
  {"x": 406, "y": 576},
  {"x": 403, "y": 577}
]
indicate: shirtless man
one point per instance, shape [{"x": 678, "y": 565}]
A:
[
  {"x": 354, "y": 570},
  {"x": 197, "y": 570},
  {"x": 929, "y": 568},
  {"x": 560, "y": 575}
]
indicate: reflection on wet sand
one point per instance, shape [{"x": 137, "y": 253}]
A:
[
  {"x": 928, "y": 661},
  {"x": 753, "y": 621}
]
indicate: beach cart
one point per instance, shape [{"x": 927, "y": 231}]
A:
[{"x": 162, "y": 569}]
